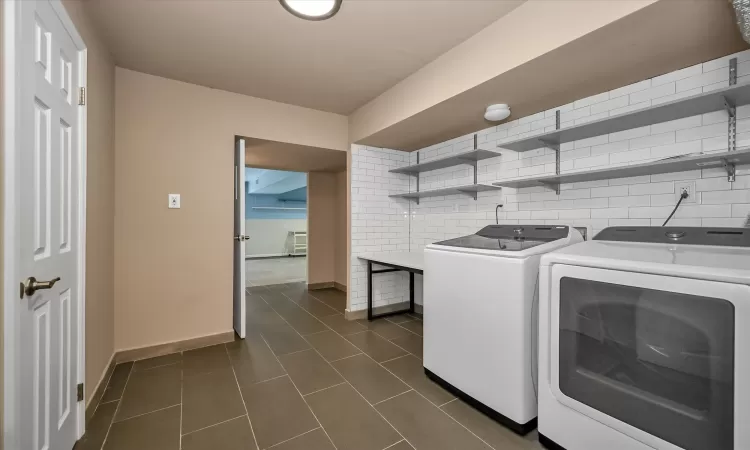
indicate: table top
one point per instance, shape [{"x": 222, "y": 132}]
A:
[{"x": 412, "y": 260}]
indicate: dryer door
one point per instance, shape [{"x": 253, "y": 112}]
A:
[{"x": 651, "y": 356}]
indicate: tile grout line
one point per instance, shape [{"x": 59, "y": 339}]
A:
[
  {"x": 293, "y": 384},
  {"x": 459, "y": 423},
  {"x": 156, "y": 367},
  {"x": 355, "y": 333},
  {"x": 336, "y": 312},
  {"x": 432, "y": 404},
  {"x": 325, "y": 388},
  {"x": 106, "y": 385},
  {"x": 449, "y": 401},
  {"x": 290, "y": 378},
  {"x": 242, "y": 397},
  {"x": 440, "y": 409},
  {"x": 182, "y": 390},
  {"x": 282, "y": 365},
  {"x": 398, "y": 357},
  {"x": 393, "y": 445},
  {"x": 269, "y": 379},
  {"x": 317, "y": 332},
  {"x": 402, "y": 348},
  {"x": 321, "y": 301},
  {"x": 404, "y": 328},
  {"x": 294, "y": 352},
  {"x": 352, "y": 386},
  {"x": 211, "y": 426},
  {"x": 293, "y": 438},
  {"x": 147, "y": 413},
  {"x": 346, "y": 357},
  {"x": 394, "y": 396},
  {"x": 416, "y": 391},
  {"x": 109, "y": 429}
]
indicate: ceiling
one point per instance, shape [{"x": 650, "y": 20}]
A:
[
  {"x": 263, "y": 154},
  {"x": 263, "y": 181},
  {"x": 579, "y": 69},
  {"x": 257, "y": 48}
]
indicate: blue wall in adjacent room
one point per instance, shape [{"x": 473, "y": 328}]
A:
[{"x": 292, "y": 199}]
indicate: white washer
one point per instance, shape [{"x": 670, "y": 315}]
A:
[
  {"x": 479, "y": 318},
  {"x": 643, "y": 341}
]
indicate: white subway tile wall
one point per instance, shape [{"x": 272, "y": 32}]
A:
[
  {"x": 378, "y": 223},
  {"x": 646, "y": 200}
]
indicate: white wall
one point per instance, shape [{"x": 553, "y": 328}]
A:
[
  {"x": 646, "y": 200},
  {"x": 378, "y": 223},
  {"x": 269, "y": 236}
]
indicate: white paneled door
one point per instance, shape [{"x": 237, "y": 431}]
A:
[
  {"x": 239, "y": 237},
  {"x": 48, "y": 178}
]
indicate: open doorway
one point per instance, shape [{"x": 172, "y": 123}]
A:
[
  {"x": 276, "y": 223},
  {"x": 291, "y": 232}
]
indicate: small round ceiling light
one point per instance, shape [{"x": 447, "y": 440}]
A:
[
  {"x": 496, "y": 113},
  {"x": 312, "y": 9}
]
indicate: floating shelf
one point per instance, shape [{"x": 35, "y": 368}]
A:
[
  {"x": 468, "y": 189},
  {"x": 720, "y": 99},
  {"x": 677, "y": 164},
  {"x": 468, "y": 157}
]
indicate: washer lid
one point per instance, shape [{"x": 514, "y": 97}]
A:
[{"x": 509, "y": 238}]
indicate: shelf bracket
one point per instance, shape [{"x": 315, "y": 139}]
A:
[
  {"x": 472, "y": 194},
  {"x": 730, "y": 168},
  {"x": 556, "y": 147},
  {"x": 731, "y": 108},
  {"x": 417, "y": 175}
]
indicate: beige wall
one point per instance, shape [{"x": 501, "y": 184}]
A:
[
  {"x": 321, "y": 227},
  {"x": 342, "y": 198},
  {"x": 100, "y": 197},
  {"x": 529, "y": 31},
  {"x": 173, "y": 268},
  {"x": 327, "y": 227}
]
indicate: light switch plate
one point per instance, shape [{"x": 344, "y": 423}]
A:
[{"x": 174, "y": 201}]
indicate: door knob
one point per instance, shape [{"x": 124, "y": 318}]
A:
[
  {"x": 241, "y": 238},
  {"x": 30, "y": 286}
]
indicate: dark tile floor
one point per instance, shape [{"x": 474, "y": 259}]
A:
[{"x": 304, "y": 379}]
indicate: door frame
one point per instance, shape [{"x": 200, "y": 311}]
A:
[
  {"x": 239, "y": 283},
  {"x": 11, "y": 35}
]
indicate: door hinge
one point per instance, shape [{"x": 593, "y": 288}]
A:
[
  {"x": 80, "y": 392},
  {"x": 82, "y": 96}
]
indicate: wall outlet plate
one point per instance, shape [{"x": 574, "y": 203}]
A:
[
  {"x": 689, "y": 186},
  {"x": 174, "y": 201}
]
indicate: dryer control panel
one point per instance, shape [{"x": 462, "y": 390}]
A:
[{"x": 725, "y": 237}]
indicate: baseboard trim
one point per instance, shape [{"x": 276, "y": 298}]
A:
[
  {"x": 316, "y": 286},
  {"x": 362, "y": 313},
  {"x": 136, "y": 354},
  {"x": 339, "y": 286},
  {"x": 268, "y": 256},
  {"x": 93, "y": 402}
]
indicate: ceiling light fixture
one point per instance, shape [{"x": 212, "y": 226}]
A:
[
  {"x": 312, "y": 9},
  {"x": 496, "y": 113}
]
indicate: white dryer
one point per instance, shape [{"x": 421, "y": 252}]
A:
[
  {"x": 643, "y": 341},
  {"x": 479, "y": 318}
]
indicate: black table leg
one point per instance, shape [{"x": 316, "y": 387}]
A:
[
  {"x": 369, "y": 290},
  {"x": 411, "y": 292}
]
